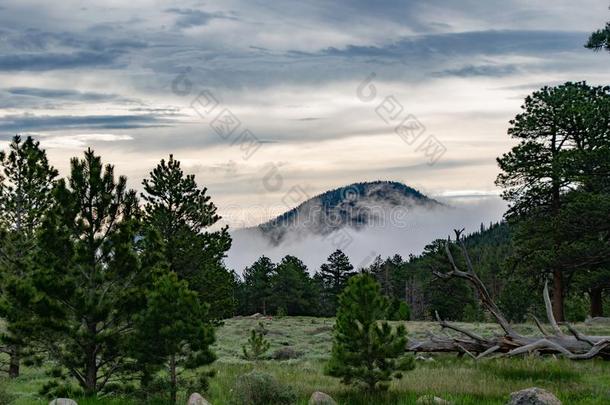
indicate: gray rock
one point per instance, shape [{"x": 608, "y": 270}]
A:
[
  {"x": 197, "y": 399},
  {"x": 320, "y": 398},
  {"x": 431, "y": 400},
  {"x": 533, "y": 396},
  {"x": 63, "y": 401}
]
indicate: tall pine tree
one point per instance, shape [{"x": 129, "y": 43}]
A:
[
  {"x": 182, "y": 213},
  {"x": 26, "y": 183},
  {"x": 558, "y": 131},
  {"x": 88, "y": 281}
]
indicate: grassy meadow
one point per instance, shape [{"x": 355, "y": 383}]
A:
[{"x": 461, "y": 380}]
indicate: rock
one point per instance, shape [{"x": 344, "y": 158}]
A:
[
  {"x": 197, "y": 399},
  {"x": 257, "y": 315},
  {"x": 63, "y": 401},
  {"x": 320, "y": 398},
  {"x": 533, "y": 396},
  {"x": 420, "y": 357},
  {"x": 431, "y": 400}
]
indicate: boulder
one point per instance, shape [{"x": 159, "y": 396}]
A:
[
  {"x": 320, "y": 398},
  {"x": 197, "y": 399},
  {"x": 533, "y": 396},
  {"x": 63, "y": 401},
  {"x": 431, "y": 400}
]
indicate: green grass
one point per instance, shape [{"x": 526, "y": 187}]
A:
[{"x": 461, "y": 380}]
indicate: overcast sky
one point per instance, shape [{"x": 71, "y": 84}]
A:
[{"x": 123, "y": 77}]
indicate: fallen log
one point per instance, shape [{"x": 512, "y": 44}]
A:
[{"x": 575, "y": 345}]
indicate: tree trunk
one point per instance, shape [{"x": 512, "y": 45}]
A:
[
  {"x": 558, "y": 296},
  {"x": 173, "y": 379},
  {"x": 14, "y": 362},
  {"x": 597, "y": 304},
  {"x": 91, "y": 361}
]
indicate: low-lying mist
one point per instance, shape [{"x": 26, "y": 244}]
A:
[{"x": 409, "y": 236}]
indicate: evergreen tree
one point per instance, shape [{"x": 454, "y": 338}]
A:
[
  {"x": 257, "y": 285},
  {"x": 26, "y": 183},
  {"x": 559, "y": 131},
  {"x": 220, "y": 292},
  {"x": 365, "y": 350},
  {"x": 181, "y": 212},
  {"x": 88, "y": 282},
  {"x": 333, "y": 277},
  {"x": 600, "y": 39},
  {"x": 174, "y": 330},
  {"x": 293, "y": 289},
  {"x": 257, "y": 345}
]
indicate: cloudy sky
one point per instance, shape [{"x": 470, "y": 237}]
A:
[{"x": 261, "y": 97}]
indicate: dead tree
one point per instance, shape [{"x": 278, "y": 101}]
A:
[{"x": 575, "y": 345}]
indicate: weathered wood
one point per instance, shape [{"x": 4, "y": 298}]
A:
[{"x": 576, "y": 346}]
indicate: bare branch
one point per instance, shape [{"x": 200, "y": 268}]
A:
[
  {"x": 445, "y": 324},
  {"x": 549, "y": 310},
  {"x": 540, "y": 327},
  {"x": 489, "y": 351}
]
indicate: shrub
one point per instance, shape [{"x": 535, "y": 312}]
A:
[
  {"x": 6, "y": 398},
  {"x": 577, "y": 308},
  {"x": 256, "y": 388},
  {"x": 256, "y": 346},
  {"x": 286, "y": 353},
  {"x": 398, "y": 311}
]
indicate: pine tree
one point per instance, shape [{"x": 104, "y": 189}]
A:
[
  {"x": 366, "y": 351},
  {"x": 182, "y": 213},
  {"x": 174, "y": 330},
  {"x": 600, "y": 39},
  {"x": 26, "y": 183},
  {"x": 333, "y": 278},
  {"x": 257, "y": 284},
  {"x": 257, "y": 345},
  {"x": 561, "y": 133},
  {"x": 293, "y": 291},
  {"x": 88, "y": 281}
]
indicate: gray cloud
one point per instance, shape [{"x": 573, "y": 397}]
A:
[
  {"x": 67, "y": 94},
  {"x": 53, "y": 61},
  {"x": 188, "y": 18},
  {"x": 489, "y": 42},
  {"x": 29, "y": 122},
  {"x": 480, "y": 70}
]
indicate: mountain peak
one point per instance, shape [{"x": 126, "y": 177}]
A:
[{"x": 356, "y": 205}]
